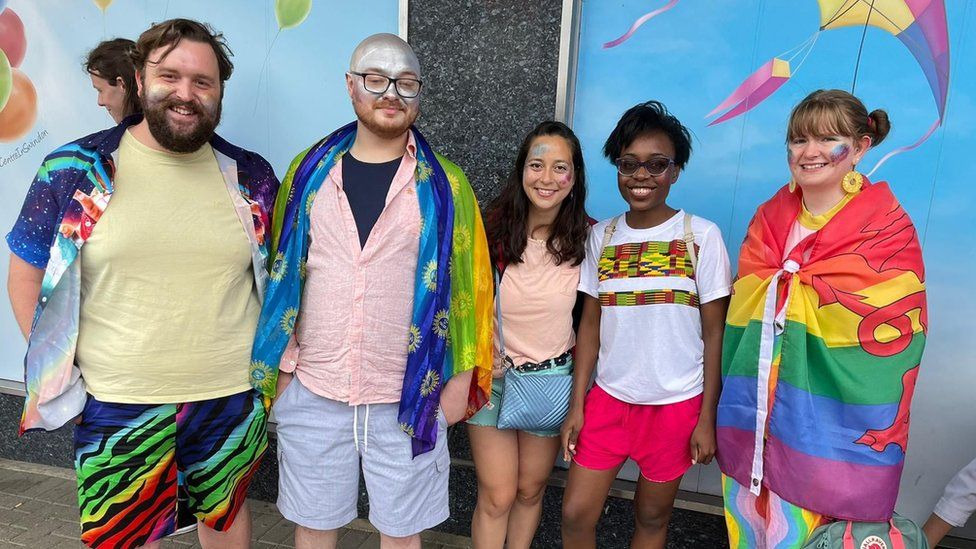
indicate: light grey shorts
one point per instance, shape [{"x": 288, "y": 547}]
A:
[{"x": 320, "y": 445}]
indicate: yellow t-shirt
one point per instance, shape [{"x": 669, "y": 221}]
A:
[
  {"x": 168, "y": 300},
  {"x": 806, "y": 224}
]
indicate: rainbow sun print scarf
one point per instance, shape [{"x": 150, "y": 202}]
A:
[{"x": 451, "y": 323}]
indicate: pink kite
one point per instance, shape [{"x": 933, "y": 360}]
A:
[
  {"x": 760, "y": 85},
  {"x": 644, "y": 19}
]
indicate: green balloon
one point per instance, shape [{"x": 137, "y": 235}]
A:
[
  {"x": 291, "y": 13},
  {"x": 6, "y": 80}
]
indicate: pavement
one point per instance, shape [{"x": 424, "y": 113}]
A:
[{"x": 39, "y": 510}]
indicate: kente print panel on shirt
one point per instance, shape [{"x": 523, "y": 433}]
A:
[
  {"x": 649, "y": 297},
  {"x": 645, "y": 259}
]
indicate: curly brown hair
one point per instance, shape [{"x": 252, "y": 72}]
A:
[{"x": 168, "y": 34}]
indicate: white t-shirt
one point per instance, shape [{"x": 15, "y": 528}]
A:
[
  {"x": 958, "y": 502},
  {"x": 650, "y": 328}
]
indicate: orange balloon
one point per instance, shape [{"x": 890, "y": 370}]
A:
[{"x": 17, "y": 118}]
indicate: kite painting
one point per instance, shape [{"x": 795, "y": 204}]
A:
[{"x": 920, "y": 25}]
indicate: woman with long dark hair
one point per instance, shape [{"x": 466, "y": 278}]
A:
[{"x": 536, "y": 232}]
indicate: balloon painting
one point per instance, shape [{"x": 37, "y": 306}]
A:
[
  {"x": 291, "y": 13},
  {"x": 18, "y": 116},
  {"x": 6, "y": 79},
  {"x": 18, "y": 98}
]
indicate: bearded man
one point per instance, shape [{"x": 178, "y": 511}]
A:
[
  {"x": 377, "y": 312},
  {"x": 140, "y": 318}
]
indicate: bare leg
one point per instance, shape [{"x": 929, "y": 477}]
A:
[
  {"x": 586, "y": 492},
  {"x": 652, "y": 511},
  {"x": 536, "y": 456},
  {"x": 306, "y": 538},
  {"x": 496, "y": 463},
  {"x": 409, "y": 542},
  {"x": 238, "y": 536}
]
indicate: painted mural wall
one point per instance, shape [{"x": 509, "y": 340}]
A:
[
  {"x": 286, "y": 92},
  {"x": 731, "y": 70}
]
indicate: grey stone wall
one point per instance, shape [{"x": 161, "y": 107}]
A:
[{"x": 489, "y": 77}]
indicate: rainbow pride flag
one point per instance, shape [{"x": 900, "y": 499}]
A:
[{"x": 821, "y": 354}]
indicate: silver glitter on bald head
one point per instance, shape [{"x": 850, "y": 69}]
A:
[{"x": 385, "y": 53}]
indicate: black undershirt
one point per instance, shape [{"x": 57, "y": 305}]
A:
[{"x": 366, "y": 186}]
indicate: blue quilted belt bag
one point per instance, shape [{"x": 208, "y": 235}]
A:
[{"x": 536, "y": 397}]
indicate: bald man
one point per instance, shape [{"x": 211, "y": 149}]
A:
[{"x": 359, "y": 330}]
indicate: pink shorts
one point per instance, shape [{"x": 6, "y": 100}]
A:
[{"x": 657, "y": 437}]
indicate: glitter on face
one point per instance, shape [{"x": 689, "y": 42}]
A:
[
  {"x": 387, "y": 115},
  {"x": 538, "y": 150},
  {"x": 840, "y": 153},
  {"x": 158, "y": 92},
  {"x": 389, "y": 55},
  {"x": 548, "y": 175}
]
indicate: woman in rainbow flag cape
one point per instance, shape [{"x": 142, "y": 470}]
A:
[{"x": 823, "y": 340}]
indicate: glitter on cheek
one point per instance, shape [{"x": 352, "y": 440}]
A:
[
  {"x": 839, "y": 153},
  {"x": 157, "y": 92},
  {"x": 790, "y": 157},
  {"x": 209, "y": 102}
]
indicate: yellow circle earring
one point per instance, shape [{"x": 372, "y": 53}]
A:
[
  {"x": 792, "y": 185},
  {"x": 852, "y": 182}
]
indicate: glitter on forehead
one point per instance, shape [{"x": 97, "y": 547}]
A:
[
  {"x": 539, "y": 149},
  {"x": 387, "y": 53}
]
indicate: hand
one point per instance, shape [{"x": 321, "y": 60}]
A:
[
  {"x": 703, "y": 443},
  {"x": 284, "y": 378},
  {"x": 571, "y": 428}
]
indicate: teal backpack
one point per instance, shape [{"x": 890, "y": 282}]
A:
[{"x": 898, "y": 533}]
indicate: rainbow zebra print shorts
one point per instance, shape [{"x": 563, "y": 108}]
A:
[{"x": 127, "y": 457}]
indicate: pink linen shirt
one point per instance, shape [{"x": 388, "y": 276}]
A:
[{"x": 350, "y": 342}]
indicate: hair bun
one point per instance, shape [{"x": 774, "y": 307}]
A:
[{"x": 878, "y": 125}]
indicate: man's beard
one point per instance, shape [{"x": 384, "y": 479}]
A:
[
  {"x": 170, "y": 137},
  {"x": 367, "y": 113}
]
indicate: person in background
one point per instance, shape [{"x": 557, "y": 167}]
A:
[
  {"x": 113, "y": 75},
  {"x": 138, "y": 263},
  {"x": 823, "y": 339},
  {"x": 536, "y": 235},
  {"x": 957, "y": 504},
  {"x": 657, "y": 282}
]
